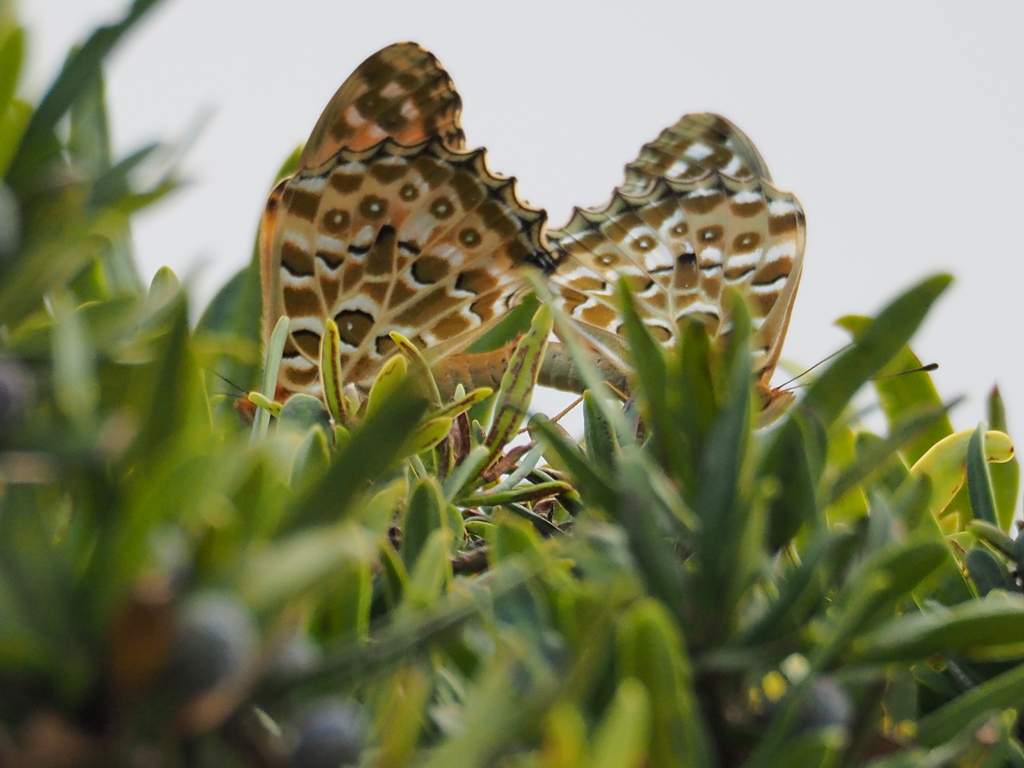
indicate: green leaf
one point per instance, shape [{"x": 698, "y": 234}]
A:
[
  {"x": 805, "y": 588},
  {"x": 589, "y": 482},
  {"x": 74, "y": 367},
  {"x": 513, "y": 324},
  {"x": 420, "y": 365},
  {"x": 979, "y": 484},
  {"x": 692, "y": 402},
  {"x": 402, "y": 716},
  {"x": 944, "y": 464},
  {"x": 986, "y": 571},
  {"x": 880, "y": 342},
  {"x": 650, "y": 367},
  {"x": 1000, "y": 692},
  {"x": 650, "y": 650},
  {"x": 513, "y": 537},
  {"x": 794, "y": 459},
  {"x": 89, "y": 141},
  {"x": 232, "y": 323},
  {"x": 647, "y": 526},
  {"x": 426, "y": 514},
  {"x": 303, "y": 413},
  {"x": 991, "y": 628},
  {"x": 1005, "y": 477},
  {"x": 312, "y": 458},
  {"x": 178, "y": 401},
  {"x": 389, "y": 380},
  {"x": 364, "y": 458},
  {"x": 902, "y": 433},
  {"x": 463, "y": 404},
  {"x": 521, "y": 494},
  {"x": 723, "y": 524},
  {"x": 623, "y": 734},
  {"x": 294, "y": 566},
  {"x": 13, "y": 123},
  {"x": 820, "y": 748},
  {"x": 12, "y": 53},
  {"x": 902, "y": 395},
  {"x": 517, "y": 384},
  {"x": 876, "y": 587},
  {"x": 432, "y": 573},
  {"x": 271, "y": 369},
  {"x": 993, "y": 536},
  {"x": 331, "y": 373},
  {"x": 427, "y": 435},
  {"x": 602, "y": 447},
  {"x": 79, "y": 70}
]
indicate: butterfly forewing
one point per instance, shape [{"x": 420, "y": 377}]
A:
[
  {"x": 679, "y": 231},
  {"x": 402, "y": 93}
]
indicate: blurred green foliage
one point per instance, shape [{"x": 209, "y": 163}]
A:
[{"x": 403, "y": 585}]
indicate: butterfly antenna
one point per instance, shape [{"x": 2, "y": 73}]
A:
[
  {"x": 227, "y": 381},
  {"x": 618, "y": 393},
  {"x": 562, "y": 413},
  {"x": 920, "y": 369},
  {"x": 817, "y": 364}
]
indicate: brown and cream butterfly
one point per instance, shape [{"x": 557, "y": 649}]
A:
[
  {"x": 696, "y": 213},
  {"x": 389, "y": 224}
]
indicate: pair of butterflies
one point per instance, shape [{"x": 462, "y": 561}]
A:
[{"x": 390, "y": 224}]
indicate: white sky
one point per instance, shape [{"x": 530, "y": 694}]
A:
[{"x": 896, "y": 124}]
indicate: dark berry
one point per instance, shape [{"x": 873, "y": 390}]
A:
[
  {"x": 216, "y": 641},
  {"x": 825, "y": 705},
  {"x": 332, "y": 735}
]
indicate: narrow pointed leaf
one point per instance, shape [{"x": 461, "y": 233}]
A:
[
  {"x": 271, "y": 368},
  {"x": 83, "y": 65},
  {"x": 979, "y": 484},
  {"x": 420, "y": 365},
  {"x": 513, "y": 397},
  {"x": 880, "y": 342},
  {"x": 1005, "y": 477},
  {"x": 331, "y": 374}
]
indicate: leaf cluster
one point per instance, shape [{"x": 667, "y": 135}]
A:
[{"x": 389, "y": 579}]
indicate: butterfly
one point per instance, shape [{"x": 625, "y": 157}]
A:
[
  {"x": 696, "y": 213},
  {"x": 390, "y": 224}
]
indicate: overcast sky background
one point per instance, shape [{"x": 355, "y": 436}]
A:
[{"x": 896, "y": 124}]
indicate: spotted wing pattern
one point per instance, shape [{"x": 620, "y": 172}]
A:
[
  {"x": 388, "y": 225},
  {"x": 402, "y": 93},
  {"x": 696, "y": 214},
  {"x": 420, "y": 240},
  {"x": 694, "y": 146}
]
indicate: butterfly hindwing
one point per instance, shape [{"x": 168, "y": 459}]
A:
[
  {"x": 679, "y": 230},
  {"x": 695, "y": 145},
  {"x": 419, "y": 240}
]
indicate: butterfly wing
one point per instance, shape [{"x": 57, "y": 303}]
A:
[
  {"x": 400, "y": 93},
  {"x": 389, "y": 226},
  {"x": 679, "y": 230},
  {"x": 695, "y": 145},
  {"x": 420, "y": 240}
]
